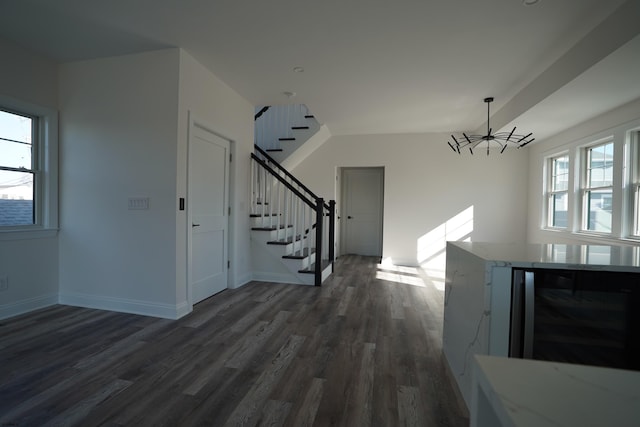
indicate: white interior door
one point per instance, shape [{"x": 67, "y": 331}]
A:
[
  {"x": 361, "y": 212},
  {"x": 208, "y": 197}
]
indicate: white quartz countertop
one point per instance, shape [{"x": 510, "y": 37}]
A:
[
  {"x": 518, "y": 392},
  {"x": 605, "y": 257}
]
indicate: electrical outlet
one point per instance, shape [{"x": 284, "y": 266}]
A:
[{"x": 4, "y": 283}]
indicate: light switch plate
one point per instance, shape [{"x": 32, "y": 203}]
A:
[{"x": 138, "y": 203}]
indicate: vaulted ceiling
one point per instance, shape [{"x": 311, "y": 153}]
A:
[{"x": 372, "y": 66}]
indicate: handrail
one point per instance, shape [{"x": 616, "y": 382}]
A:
[
  {"x": 261, "y": 112},
  {"x": 284, "y": 181},
  {"x": 288, "y": 174}
]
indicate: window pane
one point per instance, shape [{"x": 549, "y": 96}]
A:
[
  {"x": 599, "y": 210},
  {"x": 15, "y": 155},
  {"x": 597, "y": 156},
  {"x": 15, "y": 140},
  {"x": 15, "y": 127},
  {"x": 560, "y": 205},
  {"x": 600, "y": 166},
  {"x": 560, "y": 178},
  {"x": 16, "y": 198}
]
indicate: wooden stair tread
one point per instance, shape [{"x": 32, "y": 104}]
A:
[
  {"x": 287, "y": 241},
  {"x": 272, "y": 228},
  {"x": 299, "y": 127},
  {"x": 273, "y": 150},
  {"x": 305, "y": 254},
  {"x": 285, "y": 139}
]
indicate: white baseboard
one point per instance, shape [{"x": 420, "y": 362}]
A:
[
  {"x": 246, "y": 278},
  {"x": 183, "y": 308},
  {"x": 24, "y": 306},
  {"x": 144, "y": 308},
  {"x": 275, "y": 277}
]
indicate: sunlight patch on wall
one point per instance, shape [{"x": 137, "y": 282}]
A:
[{"x": 431, "y": 246}]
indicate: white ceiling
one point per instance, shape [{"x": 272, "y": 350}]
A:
[{"x": 372, "y": 66}]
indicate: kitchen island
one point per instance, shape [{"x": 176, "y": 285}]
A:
[
  {"x": 530, "y": 393},
  {"x": 477, "y": 307}
]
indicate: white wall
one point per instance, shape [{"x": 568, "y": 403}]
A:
[
  {"x": 118, "y": 128},
  {"x": 216, "y": 105},
  {"x": 431, "y": 193},
  {"x": 123, "y": 128},
  {"x": 27, "y": 76},
  {"x": 614, "y": 124},
  {"x": 31, "y": 264}
]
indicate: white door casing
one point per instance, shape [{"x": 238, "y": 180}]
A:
[
  {"x": 208, "y": 202},
  {"x": 362, "y": 211}
]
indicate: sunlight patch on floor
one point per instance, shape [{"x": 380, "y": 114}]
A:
[
  {"x": 400, "y": 274},
  {"x": 436, "y": 277}
]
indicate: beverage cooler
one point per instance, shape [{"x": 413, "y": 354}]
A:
[{"x": 576, "y": 316}]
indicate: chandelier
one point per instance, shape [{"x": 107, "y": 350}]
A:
[{"x": 499, "y": 140}]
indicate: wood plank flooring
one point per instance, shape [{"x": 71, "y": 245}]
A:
[{"x": 359, "y": 351}]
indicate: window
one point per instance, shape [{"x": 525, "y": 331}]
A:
[
  {"x": 558, "y": 192},
  {"x": 591, "y": 186},
  {"x": 634, "y": 182},
  {"x": 28, "y": 169},
  {"x": 597, "y": 193},
  {"x": 18, "y": 169}
]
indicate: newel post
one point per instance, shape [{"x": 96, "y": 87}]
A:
[
  {"x": 332, "y": 231},
  {"x": 319, "y": 221}
]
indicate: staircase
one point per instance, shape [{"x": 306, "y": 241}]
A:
[
  {"x": 281, "y": 130},
  {"x": 291, "y": 227}
]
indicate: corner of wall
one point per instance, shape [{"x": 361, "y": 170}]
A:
[{"x": 315, "y": 142}]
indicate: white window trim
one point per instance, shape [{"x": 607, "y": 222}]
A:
[
  {"x": 584, "y": 189},
  {"x": 549, "y": 192},
  {"x": 631, "y": 225},
  {"x": 47, "y": 192}
]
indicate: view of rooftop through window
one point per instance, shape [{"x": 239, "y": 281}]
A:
[{"x": 16, "y": 169}]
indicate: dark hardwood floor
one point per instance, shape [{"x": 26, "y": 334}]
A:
[{"x": 359, "y": 351}]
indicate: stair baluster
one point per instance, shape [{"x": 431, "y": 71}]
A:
[{"x": 296, "y": 222}]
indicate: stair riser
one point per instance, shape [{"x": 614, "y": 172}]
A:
[
  {"x": 287, "y": 249},
  {"x": 309, "y": 279},
  {"x": 269, "y": 236},
  {"x": 265, "y": 222},
  {"x": 295, "y": 265}
]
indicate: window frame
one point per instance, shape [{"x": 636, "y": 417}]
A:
[
  {"x": 33, "y": 169},
  {"x": 586, "y": 189},
  {"x": 551, "y": 193},
  {"x": 44, "y": 167},
  {"x": 633, "y": 184}
]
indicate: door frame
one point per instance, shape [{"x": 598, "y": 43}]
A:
[
  {"x": 341, "y": 196},
  {"x": 193, "y": 121}
]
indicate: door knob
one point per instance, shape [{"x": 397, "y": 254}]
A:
[
  {"x": 195, "y": 225},
  {"x": 349, "y": 217}
]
